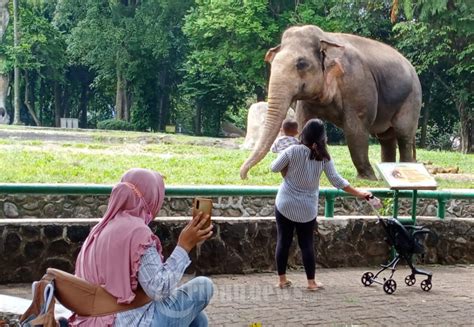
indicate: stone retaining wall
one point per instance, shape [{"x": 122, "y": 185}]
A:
[
  {"x": 29, "y": 246},
  {"x": 67, "y": 206}
]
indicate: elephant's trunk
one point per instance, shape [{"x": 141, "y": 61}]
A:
[{"x": 278, "y": 103}]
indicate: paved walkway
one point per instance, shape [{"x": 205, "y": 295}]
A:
[{"x": 243, "y": 300}]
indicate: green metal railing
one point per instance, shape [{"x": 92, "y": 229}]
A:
[{"x": 264, "y": 191}]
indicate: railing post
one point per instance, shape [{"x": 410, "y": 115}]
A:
[
  {"x": 395, "y": 204},
  {"x": 442, "y": 207},
  {"x": 329, "y": 205},
  {"x": 414, "y": 199}
]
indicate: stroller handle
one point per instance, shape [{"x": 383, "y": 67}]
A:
[{"x": 375, "y": 204}]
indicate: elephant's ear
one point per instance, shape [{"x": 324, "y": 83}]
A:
[
  {"x": 331, "y": 55},
  {"x": 271, "y": 53},
  {"x": 330, "y": 51},
  {"x": 333, "y": 70}
]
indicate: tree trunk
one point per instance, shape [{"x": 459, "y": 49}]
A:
[
  {"x": 426, "y": 116},
  {"x": 160, "y": 103},
  {"x": 16, "y": 85},
  {"x": 65, "y": 103},
  {"x": 30, "y": 104},
  {"x": 83, "y": 105},
  {"x": 125, "y": 101},
  {"x": 163, "y": 103},
  {"x": 4, "y": 81},
  {"x": 466, "y": 128},
  {"x": 57, "y": 104},
  {"x": 4, "y": 76},
  {"x": 4, "y": 17},
  {"x": 424, "y": 125},
  {"x": 41, "y": 101},
  {"x": 119, "y": 98},
  {"x": 198, "y": 120}
]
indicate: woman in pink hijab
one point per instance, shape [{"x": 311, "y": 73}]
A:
[{"x": 121, "y": 252}]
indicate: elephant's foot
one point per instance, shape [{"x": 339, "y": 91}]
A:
[{"x": 370, "y": 175}]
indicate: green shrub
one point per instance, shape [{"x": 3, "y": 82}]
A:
[
  {"x": 115, "y": 124},
  {"x": 437, "y": 137}
]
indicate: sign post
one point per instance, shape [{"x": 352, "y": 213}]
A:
[{"x": 406, "y": 176}]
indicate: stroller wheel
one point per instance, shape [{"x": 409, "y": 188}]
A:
[
  {"x": 426, "y": 285},
  {"x": 389, "y": 286},
  {"x": 410, "y": 280},
  {"x": 367, "y": 278}
]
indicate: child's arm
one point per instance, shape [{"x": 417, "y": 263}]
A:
[
  {"x": 280, "y": 163},
  {"x": 274, "y": 148}
]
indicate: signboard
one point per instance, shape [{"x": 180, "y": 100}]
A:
[{"x": 406, "y": 176}]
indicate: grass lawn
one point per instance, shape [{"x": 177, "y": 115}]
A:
[{"x": 181, "y": 161}]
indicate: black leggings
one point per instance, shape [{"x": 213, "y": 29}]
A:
[{"x": 305, "y": 234}]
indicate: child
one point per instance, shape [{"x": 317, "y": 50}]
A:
[
  {"x": 296, "y": 203},
  {"x": 289, "y": 128}
]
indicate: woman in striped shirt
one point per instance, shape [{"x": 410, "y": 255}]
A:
[{"x": 296, "y": 204}]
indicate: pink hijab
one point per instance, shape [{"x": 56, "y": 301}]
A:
[{"x": 111, "y": 254}]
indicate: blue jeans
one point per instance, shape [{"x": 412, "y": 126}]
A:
[{"x": 184, "y": 306}]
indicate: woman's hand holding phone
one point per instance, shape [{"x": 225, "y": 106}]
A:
[
  {"x": 203, "y": 205},
  {"x": 195, "y": 231}
]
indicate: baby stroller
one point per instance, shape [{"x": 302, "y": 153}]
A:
[{"x": 405, "y": 239}]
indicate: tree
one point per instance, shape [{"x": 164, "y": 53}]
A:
[
  {"x": 438, "y": 37},
  {"x": 132, "y": 48},
  {"x": 224, "y": 65},
  {"x": 16, "y": 69},
  {"x": 4, "y": 73},
  {"x": 38, "y": 57}
]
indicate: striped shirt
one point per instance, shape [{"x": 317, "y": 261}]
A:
[
  {"x": 298, "y": 195},
  {"x": 157, "y": 279},
  {"x": 283, "y": 142}
]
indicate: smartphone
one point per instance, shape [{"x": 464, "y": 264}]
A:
[{"x": 205, "y": 206}]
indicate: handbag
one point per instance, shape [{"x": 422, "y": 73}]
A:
[
  {"x": 41, "y": 310},
  {"x": 76, "y": 294}
]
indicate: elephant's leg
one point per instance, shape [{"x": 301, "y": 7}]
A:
[
  {"x": 357, "y": 138},
  {"x": 404, "y": 125},
  {"x": 406, "y": 146},
  {"x": 388, "y": 144},
  {"x": 389, "y": 149}
]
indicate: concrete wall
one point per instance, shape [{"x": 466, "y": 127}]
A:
[
  {"x": 240, "y": 245},
  {"x": 67, "y": 206}
]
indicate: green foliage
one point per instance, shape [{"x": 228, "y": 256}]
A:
[
  {"x": 368, "y": 18},
  {"x": 238, "y": 117},
  {"x": 438, "y": 137},
  {"x": 228, "y": 40},
  {"x": 387, "y": 207},
  {"x": 114, "y": 124},
  {"x": 41, "y": 44},
  {"x": 439, "y": 41}
]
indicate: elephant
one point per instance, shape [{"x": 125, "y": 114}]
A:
[
  {"x": 255, "y": 121},
  {"x": 363, "y": 86}
]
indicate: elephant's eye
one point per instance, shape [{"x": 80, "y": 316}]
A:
[{"x": 301, "y": 64}]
